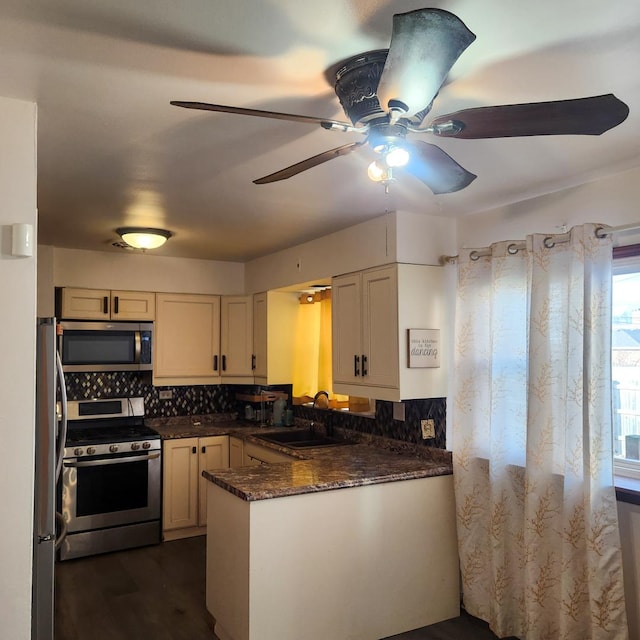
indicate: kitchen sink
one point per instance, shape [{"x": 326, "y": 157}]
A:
[{"x": 301, "y": 438}]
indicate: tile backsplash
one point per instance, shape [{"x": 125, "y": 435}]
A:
[
  {"x": 384, "y": 425},
  {"x": 206, "y": 399},
  {"x": 186, "y": 400}
]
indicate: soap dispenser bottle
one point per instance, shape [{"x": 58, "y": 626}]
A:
[{"x": 279, "y": 407}]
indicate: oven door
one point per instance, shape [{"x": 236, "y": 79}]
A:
[{"x": 110, "y": 490}]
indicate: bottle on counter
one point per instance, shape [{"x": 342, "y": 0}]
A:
[
  {"x": 248, "y": 412},
  {"x": 279, "y": 407}
]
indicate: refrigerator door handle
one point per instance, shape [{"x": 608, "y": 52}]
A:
[
  {"x": 61, "y": 529},
  {"x": 62, "y": 434}
]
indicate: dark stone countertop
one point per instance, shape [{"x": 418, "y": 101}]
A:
[{"x": 372, "y": 460}]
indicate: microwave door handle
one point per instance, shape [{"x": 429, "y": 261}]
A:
[
  {"x": 137, "y": 347},
  {"x": 100, "y": 463}
]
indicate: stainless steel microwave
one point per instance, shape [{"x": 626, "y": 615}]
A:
[{"x": 105, "y": 346}]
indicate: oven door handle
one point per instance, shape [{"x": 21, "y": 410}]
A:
[{"x": 100, "y": 463}]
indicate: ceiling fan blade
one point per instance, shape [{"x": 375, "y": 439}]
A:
[
  {"x": 438, "y": 170},
  {"x": 314, "y": 161},
  {"x": 582, "y": 116},
  {"x": 324, "y": 122},
  {"x": 424, "y": 46}
]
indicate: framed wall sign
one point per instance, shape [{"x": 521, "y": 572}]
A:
[{"x": 424, "y": 348}]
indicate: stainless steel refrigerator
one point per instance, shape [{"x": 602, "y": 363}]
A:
[{"x": 49, "y": 444}]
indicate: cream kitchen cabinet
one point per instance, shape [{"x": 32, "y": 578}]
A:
[
  {"x": 187, "y": 339},
  {"x": 236, "y": 452},
  {"x": 373, "y": 311},
  {"x": 260, "y": 335},
  {"x": 102, "y": 304},
  {"x": 275, "y": 315},
  {"x": 236, "y": 339},
  {"x": 184, "y": 498},
  {"x": 255, "y": 454}
]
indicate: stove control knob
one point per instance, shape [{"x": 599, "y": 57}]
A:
[
  {"x": 135, "y": 446},
  {"x": 146, "y": 445},
  {"x": 78, "y": 451},
  {"x": 91, "y": 451},
  {"x": 113, "y": 448}
]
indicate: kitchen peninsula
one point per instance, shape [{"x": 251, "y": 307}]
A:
[{"x": 351, "y": 541}]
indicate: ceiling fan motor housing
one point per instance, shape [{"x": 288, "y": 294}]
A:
[
  {"x": 382, "y": 135},
  {"x": 356, "y": 85}
]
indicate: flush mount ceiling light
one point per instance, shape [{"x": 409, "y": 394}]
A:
[{"x": 143, "y": 237}]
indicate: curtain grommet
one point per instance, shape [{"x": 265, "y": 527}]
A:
[
  {"x": 512, "y": 249},
  {"x": 474, "y": 255},
  {"x": 548, "y": 242},
  {"x": 601, "y": 233}
]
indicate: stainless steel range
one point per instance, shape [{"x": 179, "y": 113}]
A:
[{"x": 110, "y": 490}]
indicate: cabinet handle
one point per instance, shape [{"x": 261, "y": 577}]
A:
[
  {"x": 204, "y": 449},
  {"x": 224, "y": 363},
  {"x": 364, "y": 365},
  {"x": 356, "y": 368},
  {"x": 105, "y": 304},
  {"x": 116, "y": 304},
  {"x": 253, "y": 361},
  {"x": 215, "y": 363},
  {"x": 194, "y": 449}
]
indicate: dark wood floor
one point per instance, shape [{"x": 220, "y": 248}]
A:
[
  {"x": 152, "y": 592},
  {"x": 158, "y": 592}
]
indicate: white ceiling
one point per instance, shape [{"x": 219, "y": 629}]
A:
[{"x": 112, "y": 151}]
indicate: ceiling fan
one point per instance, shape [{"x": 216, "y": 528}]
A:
[{"x": 388, "y": 93}]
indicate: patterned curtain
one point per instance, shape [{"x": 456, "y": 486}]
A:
[{"x": 533, "y": 469}]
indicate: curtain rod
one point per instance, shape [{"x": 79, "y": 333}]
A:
[{"x": 549, "y": 242}]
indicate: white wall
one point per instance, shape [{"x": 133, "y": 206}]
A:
[
  {"x": 17, "y": 373},
  {"x": 138, "y": 272},
  {"x": 351, "y": 249},
  {"x": 612, "y": 201},
  {"x": 394, "y": 237}
]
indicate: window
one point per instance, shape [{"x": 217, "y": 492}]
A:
[{"x": 626, "y": 361}]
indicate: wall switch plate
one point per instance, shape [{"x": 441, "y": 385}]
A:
[
  {"x": 428, "y": 429},
  {"x": 398, "y": 411},
  {"x": 167, "y": 394}
]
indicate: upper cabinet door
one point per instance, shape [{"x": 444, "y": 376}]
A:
[
  {"x": 380, "y": 327},
  {"x": 102, "y": 304},
  {"x": 133, "y": 305},
  {"x": 86, "y": 304},
  {"x": 187, "y": 338},
  {"x": 260, "y": 335},
  {"x": 236, "y": 336},
  {"x": 346, "y": 308}
]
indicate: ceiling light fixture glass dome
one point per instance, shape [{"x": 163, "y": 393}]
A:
[{"x": 143, "y": 237}]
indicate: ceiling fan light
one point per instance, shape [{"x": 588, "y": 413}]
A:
[
  {"x": 397, "y": 157},
  {"x": 377, "y": 172},
  {"x": 143, "y": 237}
]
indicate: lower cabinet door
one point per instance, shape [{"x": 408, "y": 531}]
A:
[
  {"x": 184, "y": 501},
  {"x": 214, "y": 454},
  {"x": 180, "y": 483},
  {"x": 236, "y": 458}
]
